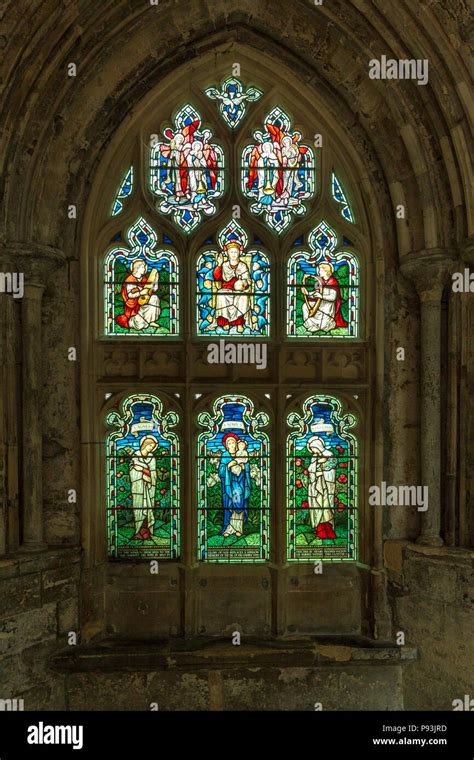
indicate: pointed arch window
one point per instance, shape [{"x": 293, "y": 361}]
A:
[
  {"x": 142, "y": 465},
  {"x": 141, "y": 286},
  {"x": 233, "y": 287},
  {"x": 278, "y": 172},
  {"x": 321, "y": 483},
  {"x": 124, "y": 191},
  {"x": 233, "y": 469},
  {"x": 189, "y": 263},
  {"x": 323, "y": 288},
  {"x": 187, "y": 170}
]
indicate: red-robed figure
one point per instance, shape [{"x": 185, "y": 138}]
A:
[
  {"x": 322, "y": 305},
  {"x": 138, "y": 286},
  {"x": 233, "y": 284}
]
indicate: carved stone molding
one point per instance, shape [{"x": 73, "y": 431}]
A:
[
  {"x": 467, "y": 251},
  {"x": 35, "y": 261},
  {"x": 429, "y": 271},
  {"x": 344, "y": 364},
  {"x": 162, "y": 362},
  {"x": 120, "y": 362}
]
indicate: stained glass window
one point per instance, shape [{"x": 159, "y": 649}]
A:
[
  {"x": 278, "y": 172},
  {"x": 323, "y": 289},
  {"x": 321, "y": 483},
  {"x": 339, "y": 195},
  {"x": 141, "y": 286},
  {"x": 124, "y": 191},
  {"x": 233, "y": 99},
  {"x": 187, "y": 171},
  {"x": 233, "y": 483},
  {"x": 142, "y": 481},
  {"x": 233, "y": 285}
]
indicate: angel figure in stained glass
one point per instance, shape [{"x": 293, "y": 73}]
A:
[
  {"x": 278, "y": 171},
  {"x": 191, "y": 167}
]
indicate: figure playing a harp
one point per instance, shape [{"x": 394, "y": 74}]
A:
[{"x": 322, "y": 301}]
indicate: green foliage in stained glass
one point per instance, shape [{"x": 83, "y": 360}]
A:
[
  {"x": 233, "y": 483},
  {"x": 322, "y": 289},
  {"x": 142, "y": 474},
  {"x": 141, "y": 286},
  {"x": 321, "y": 483}
]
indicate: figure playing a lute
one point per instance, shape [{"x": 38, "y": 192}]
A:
[{"x": 141, "y": 304}]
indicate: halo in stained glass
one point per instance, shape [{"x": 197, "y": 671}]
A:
[
  {"x": 233, "y": 483},
  {"x": 278, "y": 172},
  {"x": 141, "y": 295},
  {"x": 142, "y": 475},
  {"x": 233, "y": 98},
  {"x": 233, "y": 287},
  {"x": 321, "y": 483},
  {"x": 187, "y": 171}
]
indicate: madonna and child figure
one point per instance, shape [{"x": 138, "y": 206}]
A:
[
  {"x": 141, "y": 304},
  {"x": 234, "y": 473}
]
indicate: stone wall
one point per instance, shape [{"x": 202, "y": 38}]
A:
[
  {"x": 432, "y": 592},
  {"x": 39, "y": 607}
]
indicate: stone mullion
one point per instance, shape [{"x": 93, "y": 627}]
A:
[
  {"x": 188, "y": 578},
  {"x": 278, "y": 451},
  {"x": 278, "y": 502}
]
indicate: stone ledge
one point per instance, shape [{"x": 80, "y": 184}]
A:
[
  {"x": 220, "y": 654},
  {"x": 398, "y": 550},
  {"x": 25, "y": 563}
]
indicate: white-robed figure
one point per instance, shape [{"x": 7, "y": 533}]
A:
[
  {"x": 321, "y": 488},
  {"x": 268, "y": 174},
  {"x": 143, "y": 487},
  {"x": 322, "y": 304},
  {"x": 290, "y": 156},
  {"x": 234, "y": 285}
]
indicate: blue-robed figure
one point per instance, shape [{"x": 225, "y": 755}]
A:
[{"x": 234, "y": 473}]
